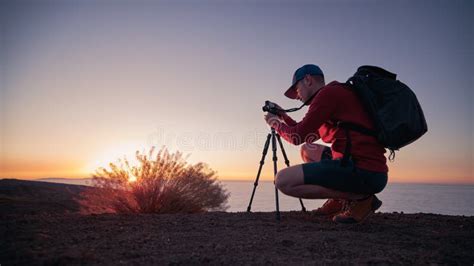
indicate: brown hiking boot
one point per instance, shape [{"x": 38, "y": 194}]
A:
[
  {"x": 330, "y": 207},
  {"x": 358, "y": 210}
]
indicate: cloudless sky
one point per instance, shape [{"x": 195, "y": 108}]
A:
[{"x": 86, "y": 82}]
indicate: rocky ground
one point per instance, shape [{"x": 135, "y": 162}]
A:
[{"x": 40, "y": 224}]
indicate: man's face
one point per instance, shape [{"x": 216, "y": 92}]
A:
[
  {"x": 307, "y": 87},
  {"x": 302, "y": 90}
]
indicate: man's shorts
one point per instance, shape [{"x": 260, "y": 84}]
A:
[{"x": 330, "y": 174}]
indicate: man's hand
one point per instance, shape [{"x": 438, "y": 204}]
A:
[
  {"x": 272, "y": 120},
  {"x": 278, "y": 107}
]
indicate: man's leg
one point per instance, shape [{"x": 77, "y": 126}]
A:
[
  {"x": 290, "y": 181},
  {"x": 312, "y": 152}
]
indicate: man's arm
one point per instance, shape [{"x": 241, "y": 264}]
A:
[
  {"x": 320, "y": 111},
  {"x": 288, "y": 120}
]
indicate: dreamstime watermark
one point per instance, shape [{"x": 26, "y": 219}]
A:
[{"x": 188, "y": 141}]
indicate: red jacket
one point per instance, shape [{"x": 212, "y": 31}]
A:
[{"x": 337, "y": 102}]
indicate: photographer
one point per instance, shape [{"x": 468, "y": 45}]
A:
[{"x": 349, "y": 185}]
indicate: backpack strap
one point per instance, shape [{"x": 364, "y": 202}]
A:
[
  {"x": 354, "y": 127},
  {"x": 347, "y": 149},
  {"x": 351, "y": 126},
  {"x": 391, "y": 157}
]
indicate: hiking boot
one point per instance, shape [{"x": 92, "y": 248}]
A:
[
  {"x": 358, "y": 210},
  {"x": 330, "y": 207}
]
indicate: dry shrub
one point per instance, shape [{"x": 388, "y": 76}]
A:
[{"x": 165, "y": 183}]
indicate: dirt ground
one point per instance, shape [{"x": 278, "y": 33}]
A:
[{"x": 42, "y": 232}]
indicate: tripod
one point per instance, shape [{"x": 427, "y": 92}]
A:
[{"x": 273, "y": 136}]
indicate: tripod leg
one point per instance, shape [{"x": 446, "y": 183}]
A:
[
  {"x": 274, "y": 149},
  {"x": 262, "y": 161},
  {"x": 287, "y": 162}
]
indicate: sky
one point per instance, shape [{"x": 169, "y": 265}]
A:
[{"x": 83, "y": 83}]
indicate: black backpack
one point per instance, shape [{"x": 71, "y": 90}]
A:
[{"x": 392, "y": 105}]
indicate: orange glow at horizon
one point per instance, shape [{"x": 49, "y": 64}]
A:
[
  {"x": 24, "y": 169},
  {"x": 407, "y": 168},
  {"x": 32, "y": 169}
]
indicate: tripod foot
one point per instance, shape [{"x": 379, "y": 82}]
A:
[{"x": 303, "y": 208}]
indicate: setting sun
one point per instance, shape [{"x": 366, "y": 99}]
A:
[
  {"x": 132, "y": 178},
  {"x": 113, "y": 155}
]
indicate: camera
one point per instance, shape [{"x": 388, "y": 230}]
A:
[{"x": 271, "y": 108}]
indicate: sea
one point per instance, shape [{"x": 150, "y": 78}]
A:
[{"x": 447, "y": 199}]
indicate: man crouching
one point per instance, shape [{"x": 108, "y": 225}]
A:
[{"x": 348, "y": 174}]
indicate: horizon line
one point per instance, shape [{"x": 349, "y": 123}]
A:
[{"x": 238, "y": 180}]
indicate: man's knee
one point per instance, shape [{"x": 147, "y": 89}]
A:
[
  {"x": 289, "y": 177},
  {"x": 308, "y": 152},
  {"x": 281, "y": 180},
  {"x": 304, "y": 152}
]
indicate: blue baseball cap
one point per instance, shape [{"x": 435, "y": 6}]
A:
[{"x": 299, "y": 75}]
